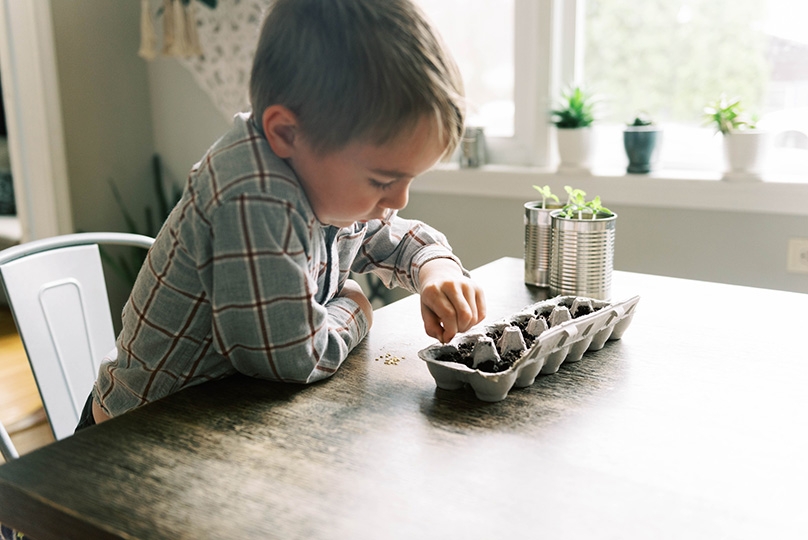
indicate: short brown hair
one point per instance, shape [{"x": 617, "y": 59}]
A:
[{"x": 356, "y": 70}]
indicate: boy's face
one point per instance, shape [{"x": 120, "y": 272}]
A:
[{"x": 362, "y": 181}]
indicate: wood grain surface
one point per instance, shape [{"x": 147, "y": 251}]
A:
[{"x": 691, "y": 426}]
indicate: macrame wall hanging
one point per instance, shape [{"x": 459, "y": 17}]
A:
[{"x": 215, "y": 43}]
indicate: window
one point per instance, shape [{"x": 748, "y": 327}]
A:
[
  {"x": 668, "y": 58},
  {"x": 496, "y": 43},
  {"x": 486, "y": 64}
]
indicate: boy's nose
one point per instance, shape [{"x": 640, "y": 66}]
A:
[{"x": 398, "y": 197}]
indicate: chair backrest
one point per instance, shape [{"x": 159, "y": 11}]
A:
[{"x": 57, "y": 294}]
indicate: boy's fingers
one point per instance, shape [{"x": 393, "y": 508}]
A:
[
  {"x": 449, "y": 323},
  {"x": 473, "y": 308},
  {"x": 480, "y": 301},
  {"x": 451, "y": 308},
  {"x": 440, "y": 312},
  {"x": 432, "y": 324},
  {"x": 457, "y": 305}
]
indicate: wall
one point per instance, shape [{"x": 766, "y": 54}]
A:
[
  {"x": 729, "y": 247},
  {"x": 106, "y": 109},
  {"x": 184, "y": 119},
  {"x": 105, "y": 99}
]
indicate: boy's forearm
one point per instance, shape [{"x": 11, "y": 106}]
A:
[
  {"x": 395, "y": 251},
  {"x": 353, "y": 291},
  {"x": 443, "y": 266}
]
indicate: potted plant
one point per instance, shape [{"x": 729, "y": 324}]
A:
[
  {"x": 582, "y": 251},
  {"x": 745, "y": 147},
  {"x": 573, "y": 118},
  {"x": 538, "y": 236},
  {"x": 640, "y": 139}
]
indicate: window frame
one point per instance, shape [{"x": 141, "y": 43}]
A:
[
  {"x": 548, "y": 54},
  {"x": 547, "y": 46}
]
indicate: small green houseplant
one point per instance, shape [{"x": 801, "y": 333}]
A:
[
  {"x": 573, "y": 117},
  {"x": 576, "y": 109},
  {"x": 582, "y": 253},
  {"x": 641, "y": 120},
  {"x": 641, "y": 140},
  {"x": 728, "y": 115},
  {"x": 538, "y": 236},
  {"x": 745, "y": 146}
]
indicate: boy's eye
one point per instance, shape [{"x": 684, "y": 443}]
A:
[{"x": 381, "y": 185}]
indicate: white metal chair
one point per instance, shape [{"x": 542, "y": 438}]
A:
[{"x": 57, "y": 294}]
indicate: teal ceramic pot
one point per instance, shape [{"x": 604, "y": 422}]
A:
[{"x": 641, "y": 143}]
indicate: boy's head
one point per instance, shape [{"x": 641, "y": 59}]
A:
[{"x": 356, "y": 71}]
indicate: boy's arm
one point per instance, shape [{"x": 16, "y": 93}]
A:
[
  {"x": 353, "y": 291},
  {"x": 396, "y": 249},
  {"x": 266, "y": 319},
  {"x": 413, "y": 255}
]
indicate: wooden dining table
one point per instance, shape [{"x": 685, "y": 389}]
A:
[{"x": 694, "y": 425}]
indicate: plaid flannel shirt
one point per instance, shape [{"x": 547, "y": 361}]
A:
[{"x": 243, "y": 278}]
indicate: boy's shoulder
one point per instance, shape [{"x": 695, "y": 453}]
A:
[{"x": 241, "y": 163}]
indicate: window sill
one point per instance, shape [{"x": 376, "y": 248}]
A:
[
  {"x": 10, "y": 229},
  {"x": 666, "y": 189}
]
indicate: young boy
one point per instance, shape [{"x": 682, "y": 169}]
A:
[{"x": 351, "y": 99}]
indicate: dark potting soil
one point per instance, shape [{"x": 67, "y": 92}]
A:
[{"x": 464, "y": 354}]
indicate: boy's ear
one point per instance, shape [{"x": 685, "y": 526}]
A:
[{"x": 280, "y": 129}]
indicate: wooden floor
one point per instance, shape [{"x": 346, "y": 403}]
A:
[{"x": 20, "y": 407}]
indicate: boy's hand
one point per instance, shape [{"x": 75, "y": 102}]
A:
[
  {"x": 353, "y": 291},
  {"x": 450, "y": 302}
]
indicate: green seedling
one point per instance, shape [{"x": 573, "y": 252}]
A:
[
  {"x": 578, "y": 207},
  {"x": 545, "y": 194}
]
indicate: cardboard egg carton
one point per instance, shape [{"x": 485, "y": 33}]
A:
[{"x": 536, "y": 340}]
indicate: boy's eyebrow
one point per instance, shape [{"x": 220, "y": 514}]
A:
[{"x": 392, "y": 174}]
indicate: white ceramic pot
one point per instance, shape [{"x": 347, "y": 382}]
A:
[
  {"x": 745, "y": 155},
  {"x": 575, "y": 149}
]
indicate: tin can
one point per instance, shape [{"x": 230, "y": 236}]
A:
[
  {"x": 538, "y": 236},
  {"x": 582, "y": 256}
]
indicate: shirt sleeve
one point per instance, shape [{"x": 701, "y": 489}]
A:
[
  {"x": 395, "y": 249},
  {"x": 266, "y": 321}
]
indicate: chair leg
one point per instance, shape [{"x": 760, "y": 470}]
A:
[{"x": 6, "y": 446}]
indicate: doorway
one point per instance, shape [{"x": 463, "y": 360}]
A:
[
  {"x": 33, "y": 119},
  {"x": 10, "y": 230}
]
